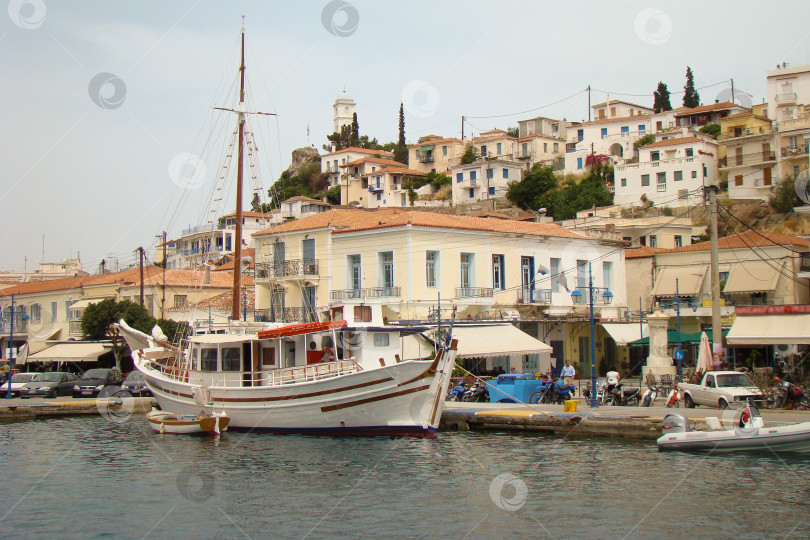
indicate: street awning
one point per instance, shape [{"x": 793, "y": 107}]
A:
[
  {"x": 81, "y": 304},
  {"x": 772, "y": 329},
  {"x": 481, "y": 342},
  {"x": 427, "y": 148},
  {"x": 79, "y": 351},
  {"x": 689, "y": 280},
  {"x": 624, "y": 333},
  {"x": 753, "y": 276}
]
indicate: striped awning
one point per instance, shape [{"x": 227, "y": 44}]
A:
[
  {"x": 753, "y": 276},
  {"x": 688, "y": 280},
  {"x": 79, "y": 351}
]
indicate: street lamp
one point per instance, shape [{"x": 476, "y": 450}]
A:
[
  {"x": 678, "y": 352},
  {"x": 607, "y": 298},
  {"x": 11, "y": 346}
]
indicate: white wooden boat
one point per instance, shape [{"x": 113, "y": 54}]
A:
[
  {"x": 324, "y": 378},
  {"x": 749, "y": 435},
  {"x": 167, "y": 422}
]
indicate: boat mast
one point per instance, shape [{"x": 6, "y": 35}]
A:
[{"x": 237, "y": 254}]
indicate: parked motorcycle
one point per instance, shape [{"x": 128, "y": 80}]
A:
[
  {"x": 674, "y": 398},
  {"x": 649, "y": 396},
  {"x": 457, "y": 393},
  {"x": 562, "y": 391},
  {"x": 618, "y": 396},
  {"x": 790, "y": 396},
  {"x": 478, "y": 392}
]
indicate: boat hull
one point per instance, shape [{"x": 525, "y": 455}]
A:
[
  {"x": 791, "y": 438},
  {"x": 401, "y": 399},
  {"x": 172, "y": 423}
]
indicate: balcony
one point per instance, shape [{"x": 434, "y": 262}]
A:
[
  {"x": 736, "y": 133},
  {"x": 360, "y": 294},
  {"x": 75, "y": 328},
  {"x": 474, "y": 292},
  {"x": 802, "y": 121},
  {"x": 654, "y": 164},
  {"x": 285, "y": 315},
  {"x": 288, "y": 268},
  {"x": 372, "y": 188},
  {"x": 426, "y": 158},
  {"x": 794, "y": 151},
  {"x": 534, "y": 296},
  {"x": 789, "y": 97},
  {"x": 598, "y": 295},
  {"x": 20, "y": 324},
  {"x": 753, "y": 158},
  {"x": 752, "y": 300}
]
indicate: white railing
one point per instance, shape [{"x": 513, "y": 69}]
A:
[
  {"x": 272, "y": 377},
  {"x": 655, "y": 164}
]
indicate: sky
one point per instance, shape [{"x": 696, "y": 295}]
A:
[{"x": 108, "y": 137}]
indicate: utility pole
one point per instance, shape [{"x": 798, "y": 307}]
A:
[
  {"x": 163, "y": 285},
  {"x": 732, "y": 91},
  {"x": 589, "y": 103},
  {"x": 140, "y": 252},
  {"x": 717, "y": 329},
  {"x": 462, "y": 128}
]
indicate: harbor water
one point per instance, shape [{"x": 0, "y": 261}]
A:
[{"x": 93, "y": 478}]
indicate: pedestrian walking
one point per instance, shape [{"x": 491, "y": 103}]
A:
[{"x": 568, "y": 373}]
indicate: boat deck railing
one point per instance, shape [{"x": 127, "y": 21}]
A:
[{"x": 271, "y": 377}]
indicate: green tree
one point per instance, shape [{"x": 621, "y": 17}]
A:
[
  {"x": 711, "y": 129},
  {"x": 531, "y": 192},
  {"x": 661, "y": 98},
  {"x": 98, "y": 319},
  {"x": 691, "y": 98},
  {"x": 355, "y": 136},
  {"x": 469, "y": 155},
  {"x": 513, "y": 132},
  {"x": 644, "y": 140},
  {"x": 333, "y": 195},
  {"x": 340, "y": 140},
  {"x": 573, "y": 196},
  {"x": 401, "y": 149},
  {"x": 784, "y": 197}
]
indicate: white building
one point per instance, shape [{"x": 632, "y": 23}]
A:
[
  {"x": 331, "y": 163},
  {"x": 669, "y": 172},
  {"x": 614, "y": 108},
  {"x": 484, "y": 179}
]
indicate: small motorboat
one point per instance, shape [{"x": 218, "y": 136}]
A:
[
  {"x": 749, "y": 435},
  {"x": 167, "y": 422}
]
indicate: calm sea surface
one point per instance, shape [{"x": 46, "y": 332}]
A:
[{"x": 91, "y": 478}]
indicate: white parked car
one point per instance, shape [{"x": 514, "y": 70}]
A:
[{"x": 719, "y": 389}]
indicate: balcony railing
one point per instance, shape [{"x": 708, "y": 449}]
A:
[
  {"x": 20, "y": 325},
  {"x": 370, "y": 292},
  {"x": 801, "y": 121},
  {"x": 748, "y": 300},
  {"x": 598, "y": 295},
  {"x": 746, "y": 159},
  {"x": 286, "y": 315},
  {"x": 75, "y": 328},
  {"x": 804, "y": 265},
  {"x": 534, "y": 296},
  {"x": 794, "y": 151},
  {"x": 372, "y": 188},
  {"x": 474, "y": 292},
  {"x": 788, "y": 97},
  {"x": 743, "y": 132},
  {"x": 288, "y": 268},
  {"x": 654, "y": 164},
  {"x": 425, "y": 158}
]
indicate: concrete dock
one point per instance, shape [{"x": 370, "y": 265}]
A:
[
  {"x": 15, "y": 410},
  {"x": 624, "y": 422}
]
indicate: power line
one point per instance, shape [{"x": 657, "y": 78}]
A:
[{"x": 531, "y": 110}]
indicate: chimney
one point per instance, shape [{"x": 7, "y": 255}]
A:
[
  {"x": 207, "y": 275},
  {"x": 101, "y": 266}
]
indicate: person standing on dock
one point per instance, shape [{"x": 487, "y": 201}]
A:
[{"x": 568, "y": 373}]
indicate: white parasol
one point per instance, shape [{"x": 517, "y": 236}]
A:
[{"x": 704, "y": 362}]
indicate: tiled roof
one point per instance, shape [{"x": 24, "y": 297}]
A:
[
  {"x": 395, "y": 170},
  {"x": 248, "y": 214},
  {"x": 436, "y": 141},
  {"x": 223, "y": 301},
  {"x": 304, "y": 199},
  {"x": 708, "y": 108},
  {"x": 247, "y": 252},
  {"x": 194, "y": 279},
  {"x": 620, "y": 101},
  {"x": 746, "y": 114},
  {"x": 127, "y": 276},
  {"x": 330, "y": 218},
  {"x": 641, "y": 252},
  {"x": 674, "y": 142},
  {"x": 745, "y": 240},
  {"x": 361, "y": 151},
  {"x": 378, "y": 220},
  {"x": 372, "y": 160}
]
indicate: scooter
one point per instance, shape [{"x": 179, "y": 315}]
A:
[
  {"x": 674, "y": 398},
  {"x": 790, "y": 395},
  {"x": 478, "y": 392},
  {"x": 457, "y": 393},
  {"x": 649, "y": 396},
  {"x": 617, "y": 396}
]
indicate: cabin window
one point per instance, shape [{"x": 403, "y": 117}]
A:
[
  {"x": 230, "y": 359},
  {"x": 208, "y": 360},
  {"x": 268, "y": 356},
  {"x": 381, "y": 340}
]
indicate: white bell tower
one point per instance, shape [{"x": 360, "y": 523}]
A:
[{"x": 343, "y": 111}]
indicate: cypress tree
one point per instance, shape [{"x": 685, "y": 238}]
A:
[
  {"x": 661, "y": 98},
  {"x": 401, "y": 150},
  {"x": 690, "y": 96}
]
